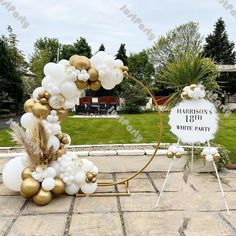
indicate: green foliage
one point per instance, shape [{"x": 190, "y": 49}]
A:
[
  {"x": 102, "y": 48},
  {"x": 121, "y": 54},
  {"x": 189, "y": 69},
  {"x": 168, "y": 48},
  {"x": 80, "y": 47},
  {"x": 221, "y": 50}
]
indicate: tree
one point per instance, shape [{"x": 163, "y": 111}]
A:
[
  {"x": 11, "y": 84},
  {"x": 218, "y": 46},
  {"x": 184, "y": 38},
  {"x": 80, "y": 47},
  {"x": 102, "y": 48},
  {"x": 221, "y": 50},
  {"x": 121, "y": 54},
  {"x": 143, "y": 70}
]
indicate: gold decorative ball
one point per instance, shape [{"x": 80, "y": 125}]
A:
[
  {"x": 184, "y": 95},
  {"x": 65, "y": 140},
  {"x": 95, "y": 85},
  {"x": 60, "y": 136},
  {"x": 216, "y": 157},
  {"x": 81, "y": 84},
  {"x": 170, "y": 154},
  {"x": 89, "y": 175},
  {"x": 24, "y": 195},
  {"x": 47, "y": 95},
  {"x": 26, "y": 173},
  {"x": 93, "y": 74},
  {"x": 125, "y": 74},
  {"x": 59, "y": 187},
  {"x": 80, "y": 62},
  {"x": 42, "y": 198},
  {"x": 29, "y": 105},
  {"x": 60, "y": 152},
  {"x": 62, "y": 145},
  {"x": 178, "y": 155},
  {"x": 202, "y": 155},
  {"x": 61, "y": 113},
  {"x": 124, "y": 68},
  {"x": 193, "y": 86},
  {"x": 29, "y": 187},
  {"x": 94, "y": 174},
  {"x": 94, "y": 180},
  {"x": 41, "y": 94},
  {"x": 40, "y": 111},
  {"x": 43, "y": 101}
]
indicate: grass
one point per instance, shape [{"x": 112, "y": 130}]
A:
[{"x": 108, "y": 131}]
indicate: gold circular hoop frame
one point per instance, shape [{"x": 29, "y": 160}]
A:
[{"x": 147, "y": 90}]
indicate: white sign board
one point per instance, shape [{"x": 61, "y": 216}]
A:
[{"x": 194, "y": 121}]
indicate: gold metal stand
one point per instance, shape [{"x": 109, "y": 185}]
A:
[{"x": 126, "y": 181}]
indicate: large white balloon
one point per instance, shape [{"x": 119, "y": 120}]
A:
[
  {"x": 48, "y": 184},
  {"x": 72, "y": 189},
  {"x": 55, "y": 71},
  {"x": 89, "y": 188},
  {"x": 55, "y": 165},
  {"x": 64, "y": 62},
  {"x": 108, "y": 84},
  {"x": 11, "y": 173},
  {"x": 28, "y": 120},
  {"x": 80, "y": 178},
  {"x": 53, "y": 142},
  {"x": 119, "y": 63},
  {"x": 68, "y": 89}
]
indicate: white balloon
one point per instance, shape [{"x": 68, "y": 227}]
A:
[
  {"x": 28, "y": 120},
  {"x": 55, "y": 166},
  {"x": 87, "y": 165},
  {"x": 95, "y": 169},
  {"x": 36, "y": 92},
  {"x": 72, "y": 189},
  {"x": 56, "y": 71},
  {"x": 48, "y": 68},
  {"x": 48, "y": 184},
  {"x": 89, "y": 188},
  {"x": 173, "y": 148},
  {"x": 108, "y": 84},
  {"x": 80, "y": 178},
  {"x": 51, "y": 172},
  {"x": 56, "y": 102},
  {"x": 53, "y": 142},
  {"x": 68, "y": 89},
  {"x": 206, "y": 151},
  {"x": 55, "y": 129},
  {"x": 209, "y": 157},
  {"x": 119, "y": 63},
  {"x": 11, "y": 173},
  {"x": 64, "y": 62}
]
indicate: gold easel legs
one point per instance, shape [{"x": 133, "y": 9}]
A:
[{"x": 108, "y": 194}]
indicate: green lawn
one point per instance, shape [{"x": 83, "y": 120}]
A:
[{"x": 105, "y": 131}]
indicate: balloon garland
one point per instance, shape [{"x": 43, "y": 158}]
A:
[{"x": 47, "y": 170}]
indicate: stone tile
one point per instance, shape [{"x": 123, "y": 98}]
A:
[
  {"x": 104, "y": 176},
  {"x": 138, "y": 185},
  {"x": 96, "y": 224},
  {"x": 11, "y": 205},
  {"x": 152, "y": 223},
  {"x": 102, "y": 189},
  {"x": 39, "y": 225},
  {"x": 230, "y": 219},
  {"x": 57, "y": 205},
  {"x": 95, "y": 204},
  {"x": 5, "y": 223},
  {"x": 160, "y": 175},
  {"x": 208, "y": 224},
  {"x": 103, "y": 153},
  {"x": 3, "y": 162},
  {"x": 130, "y": 152},
  {"x": 122, "y": 176}
]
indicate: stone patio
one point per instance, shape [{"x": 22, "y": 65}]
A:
[{"x": 191, "y": 205}]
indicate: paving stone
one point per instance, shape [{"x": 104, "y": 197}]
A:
[
  {"x": 103, "y": 153},
  {"x": 104, "y": 176},
  {"x": 10, "y": 205},
  {"x": 4, "y": 191},
  {"x": 138, "y": 185},
  {"x": 208, "y": 224},
  {"x": 122, "y": 176},
  {"x": 39, "y": 225},
  {"x": 130, "y": 152},
  {"x": 95, "y": 204},
  {"x": 5, "y": 223},
  {"x": 57, "y": 205},
  {"x": 96, "y": 224},
  {"x": 82, "y": 153},
  {"x": 152, "y": 223},
  {"x": 107, "y": 189},
  {"x": 3, "y": 162}
]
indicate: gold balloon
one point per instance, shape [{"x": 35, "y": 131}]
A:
[
  {"x": 124, "y": 68},
  {"x": 61, "y": 113},
  {"x": 47, "y": 95},
  {"x": 81, "y": 84},
  {"x": 59, "y": 187},
  {"x": 26, "y": 173},
  {"x": 42, "y": 198},
  {"x": 60, "y": 152},
  {"x": 178, "y": 155},
  {"x": 60, "y": 136},
  {"x": 125, "y": 74},
  {"x": 29, "y": 105},
  {"x": 95, "y": 85},
  {"x": 43, "y": 101},
  {"x": 40, "y": 111},
  {"x": 80, "y": 62},
  {"x": 41, "y": 94},
  {"x": 93, "y": 74},
  {"x": 184, "y": 95},
  {"x": 24, "y": 195},
  {"x": 93, "y": 180},
  {"x": 89, "y": 175},
  {"x": 217, "y": 157},
  {"x": 65, "y": 140},
  {"x": 193, "y": 86},
  {"x": 29, "y": 187},
  {"x": 170, "y": 154}
]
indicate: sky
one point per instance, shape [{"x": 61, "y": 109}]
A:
[{"x": 104, "y": 21}]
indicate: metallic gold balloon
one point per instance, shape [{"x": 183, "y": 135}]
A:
[
  {"x": 81, "y": 84},
  {"x": 193, "y": 86},
  {"x": 170, "y": 154},
  {"x": 65, "y": 140},
  {"x": 42, "y": 198},
  {"x": 178, "y": 155},
  {"x": 61, "y": 113},
  {"x": 93, "y": 74},
  {"x": 29, "y": 187},
  {"x": 184, "y": 95},
  {"x": 26, "y": 173},
  {"x": 47, "y": 95},
  {"x": 29, "y": 105},
  {"x": 217, "y": 157},
  {"x": 40, "y": 111},
  {"x": 93, "y": 180},
  {"x": 125, "y": 74},
  {"x": 59, "y": 187},
  {"x": 89, "y": 175},
  {"x": 41, "y": 94},
  {"x": 60, "y": 152},
  {"x": 62, "y": 145},
  {"x": 96, "y": 85},
  {"x": 24, "y": 196},
  {"x": 80, "y": 62},
  {"x": 124, "y": 68}
]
